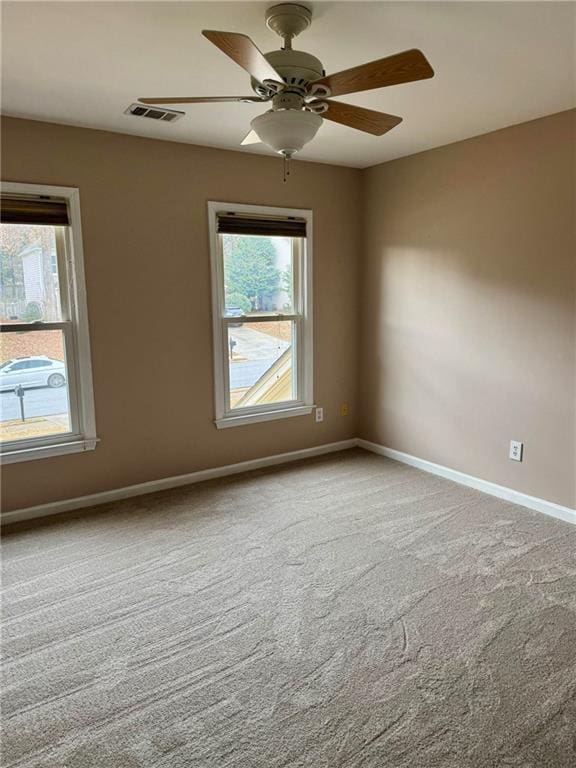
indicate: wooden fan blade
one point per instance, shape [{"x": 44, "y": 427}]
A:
[
  {"x": 402, "y": 67},
  {"x": 195, "y": 99},
  {"x": 250, "y": 138},
  {"x": 244, "y": 52},
  {"x": 362, "y": 119}
]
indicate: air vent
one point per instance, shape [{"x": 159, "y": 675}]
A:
[{"x": 154, "y": 113}]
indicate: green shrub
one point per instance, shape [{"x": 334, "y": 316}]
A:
[
  {"x": 32, "y": 312},
  {"x": 239, "y": 300}
]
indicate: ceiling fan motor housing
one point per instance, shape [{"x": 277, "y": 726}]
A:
[{"x": 297, "y": 68}]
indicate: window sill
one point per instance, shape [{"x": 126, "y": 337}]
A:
[
  {"x": 45, "y": 451},
  {"x": 253, "y": 418}
]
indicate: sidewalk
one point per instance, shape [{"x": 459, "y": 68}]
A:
[{"x": 35, "y": 426}]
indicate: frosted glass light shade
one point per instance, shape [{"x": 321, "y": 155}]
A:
[{"x": 286, "y": 130}]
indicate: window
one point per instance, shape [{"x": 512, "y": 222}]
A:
[
  {"x": 46, "y": 400},
  {"x": 262, "y": 312}
]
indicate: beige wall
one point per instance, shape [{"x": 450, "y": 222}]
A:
[
  {"x": 147, "y": 269},
  {"x": 469, "y": 306},
  {"x": 461, "y": 261}
]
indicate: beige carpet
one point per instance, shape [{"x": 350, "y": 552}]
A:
[{"x": 347, "y": 611}]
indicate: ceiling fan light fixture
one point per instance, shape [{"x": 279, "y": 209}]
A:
[{"x": 286, "y": 131}]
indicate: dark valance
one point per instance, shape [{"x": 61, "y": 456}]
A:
[
  {"x": 237, "y": 224},
  {"x": 22, "y": 210}
]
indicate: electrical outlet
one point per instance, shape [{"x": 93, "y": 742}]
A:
[
  {"x": 319, "y": 414},
  {"x": 516, "y": 450},
  {"x": 344, "y": 409}
]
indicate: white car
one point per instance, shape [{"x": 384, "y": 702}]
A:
[{"x": 36, "y": 371}]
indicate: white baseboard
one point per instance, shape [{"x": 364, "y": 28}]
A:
[
  {"x": 540, "y": 505},
  {"x": 502, "y": 492},
  {"x": 68, "y": 505}
]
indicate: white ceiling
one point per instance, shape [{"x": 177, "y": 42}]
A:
[{"x": 496, "y": 63}]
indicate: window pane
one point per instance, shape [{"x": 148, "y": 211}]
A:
[
  {"x": 261, "y": 363},
  {"x": 36, "y": 362},
  {"x": 29, "y": 280},
  {"x": 258, "y": 274}
]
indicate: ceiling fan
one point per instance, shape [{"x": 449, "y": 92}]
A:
[{"x": 298, "y": 88}]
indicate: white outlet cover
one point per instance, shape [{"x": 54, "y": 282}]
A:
[
  {"x": 319, "y": 414},
  {"x": 516, "y": 450}
]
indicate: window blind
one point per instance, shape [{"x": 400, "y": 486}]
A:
[
  {"x": 236, "y": 224},
  {"x": 22, "y": 210}
]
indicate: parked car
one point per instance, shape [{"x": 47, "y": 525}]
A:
[
  {"x": 234, "y": 312},
  {"x": 33, "y": 371}
]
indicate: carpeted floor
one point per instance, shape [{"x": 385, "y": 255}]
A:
[{"x": 343, "y": 612}]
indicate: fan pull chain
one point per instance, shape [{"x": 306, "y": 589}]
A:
[{"x": 286, "y": 167}]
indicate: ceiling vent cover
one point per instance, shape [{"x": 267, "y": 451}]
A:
[{"x": 155, "y": 113}]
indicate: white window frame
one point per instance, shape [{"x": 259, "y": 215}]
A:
[
  {"x": 82, "y": 435},
  {"x": 303, "y": 341}
]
